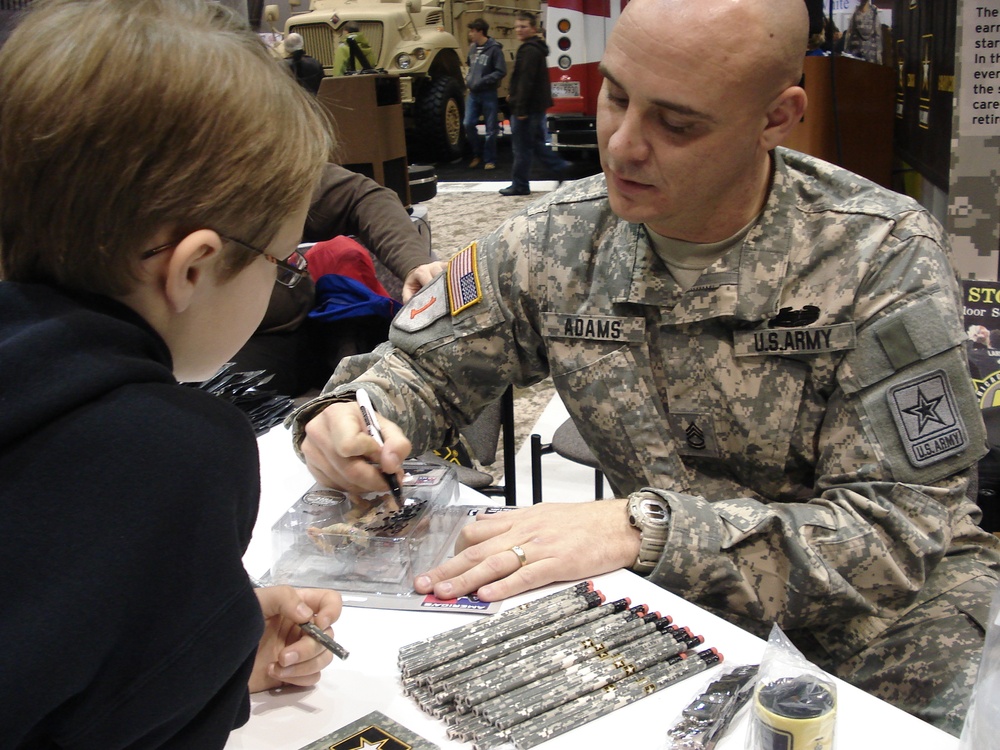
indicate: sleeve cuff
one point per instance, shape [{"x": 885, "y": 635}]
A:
[
  {"x": 296, "y": 421},
  {"x": 694, "y": 539}
]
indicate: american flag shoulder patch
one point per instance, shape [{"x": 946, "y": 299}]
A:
[{"x": 463, "y": 280}]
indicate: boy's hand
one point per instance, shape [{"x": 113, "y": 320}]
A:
[
  {"x": 286, "y": 655},
  {"x": 341, "y": 454}
]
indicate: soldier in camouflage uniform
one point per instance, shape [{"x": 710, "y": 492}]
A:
[{"x": 766, "y": 345}]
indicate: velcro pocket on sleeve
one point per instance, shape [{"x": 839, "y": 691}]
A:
[{"x": 922, "y": 330}]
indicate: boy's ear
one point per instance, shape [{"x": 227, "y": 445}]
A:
[
  {"x": 783, "y": 114},
  {"x": 190, "y": 266}
]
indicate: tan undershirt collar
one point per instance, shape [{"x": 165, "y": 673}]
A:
[{"x": 686, "y": 260}]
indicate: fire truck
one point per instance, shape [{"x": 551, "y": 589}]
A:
[{"x": 576, "y": 32}]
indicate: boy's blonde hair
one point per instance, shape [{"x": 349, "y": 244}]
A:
[{"x": 120, "y": 118}]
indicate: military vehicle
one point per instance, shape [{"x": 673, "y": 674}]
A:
[{"x": 425, "y": 43}]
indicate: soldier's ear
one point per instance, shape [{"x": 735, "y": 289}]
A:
[{"x": 783, "y": 114}]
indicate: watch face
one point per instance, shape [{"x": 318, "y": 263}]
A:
[{"x": 653, "y": 511}]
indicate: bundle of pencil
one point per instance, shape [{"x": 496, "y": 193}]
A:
[{"x": 548, "y": 666}]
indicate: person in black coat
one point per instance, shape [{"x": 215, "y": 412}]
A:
[
  {"x": 308, "y": 71},
  {"x": 530, "y": 96},
  {"x": 138, "y": 249}
]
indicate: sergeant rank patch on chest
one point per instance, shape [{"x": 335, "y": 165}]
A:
[{"x": 927, "y": 418}]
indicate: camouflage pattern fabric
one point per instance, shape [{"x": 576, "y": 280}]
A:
[
  {"x": 927, "y": 662},
  {"x": 808, "y": 396}
]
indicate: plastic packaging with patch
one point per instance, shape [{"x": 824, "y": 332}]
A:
[{"x": 368, "y": 544}]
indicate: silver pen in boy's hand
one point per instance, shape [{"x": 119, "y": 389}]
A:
[
  {"x": 312, "y": 630},
  {"x": 371, "y": 423}
]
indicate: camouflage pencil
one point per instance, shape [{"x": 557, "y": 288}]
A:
[
  {"x": 567, "y": 593},
  {"x": 629, "y": 657},
  {"x": 497, "y": 655},
  {"x": 598, "y": 703},
  {"x": 592, "y": 677},
  {"x": 499, "y": 632},
  {"x": 547, "y": 663},
  {"x": 489, "y": 653},
  {"x": 512, "y": 708},
  {"x": 468, "y": 727},
  {"x": 559, "y": 694},
  {"x": 548, "y": 610},
  {"x": 596, "y": 630},
  {"x": 491, "y": 740},
  {"x": 444, "y": 712},
  {"x": 660, "y": 625},
  {"x": 428, "y": 702},
  {"x": 499, "y": 669}
]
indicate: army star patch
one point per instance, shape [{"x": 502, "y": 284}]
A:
[
  {"x": 927, "y": 418},
  {"x": 463, "y": 280},
  {"x": 375, "y": 730}
]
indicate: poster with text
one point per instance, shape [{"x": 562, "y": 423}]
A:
[
  {"x": 982, "y": 327},
  {"x": 979, "y": 103}
]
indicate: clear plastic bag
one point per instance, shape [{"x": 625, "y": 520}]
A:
[
  {"x": 705, "y": 720},
  {"x": 795, "y": 702},
  {"x": 982, "y": 722}
]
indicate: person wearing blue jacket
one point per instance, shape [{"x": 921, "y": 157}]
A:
[{"x": 487, "y": 68}]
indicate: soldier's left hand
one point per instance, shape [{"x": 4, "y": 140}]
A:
[{"x": 559, "y": 542}]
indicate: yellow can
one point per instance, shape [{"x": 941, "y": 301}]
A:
[{"x": 796, "y": 713}]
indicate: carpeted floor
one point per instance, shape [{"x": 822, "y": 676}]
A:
[
  {"x": 459, "y": 170},
  {"x": 460, "y": 213}
]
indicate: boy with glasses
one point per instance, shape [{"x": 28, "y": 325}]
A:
[{"x": 138, "y": 247}]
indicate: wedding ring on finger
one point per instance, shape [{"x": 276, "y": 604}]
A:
[{"x": 520, "y": 555}]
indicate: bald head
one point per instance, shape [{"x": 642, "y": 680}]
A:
[
  {"x": 697, "y": 94},
  {"x": 759, "y": 43}
]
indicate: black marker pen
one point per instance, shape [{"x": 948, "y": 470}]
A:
[{"x": 371, "y": 422}]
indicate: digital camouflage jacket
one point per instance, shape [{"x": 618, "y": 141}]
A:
[{"x": 809, "y": 395}]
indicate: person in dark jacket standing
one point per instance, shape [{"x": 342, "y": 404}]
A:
[
  {"x": 486, "y": 69},
  {"x": 308, "y": 71},
  {"x": 530, "y": 95}
]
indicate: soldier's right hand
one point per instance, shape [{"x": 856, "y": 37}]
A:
[{"x": 340, "y": 453}]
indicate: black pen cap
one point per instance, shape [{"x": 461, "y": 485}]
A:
[
  {"x": 710, "y": 656},
  {"x": 593, "y": 599},
  {"x": 695, "y": 640}
]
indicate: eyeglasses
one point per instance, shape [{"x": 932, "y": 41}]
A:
[{"x": 289, "y": 271}]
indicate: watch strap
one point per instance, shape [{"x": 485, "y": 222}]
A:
[{"x": 650, "y": 514}]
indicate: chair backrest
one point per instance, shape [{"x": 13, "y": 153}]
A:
[
  {"x": 494, "y": 424},
  {"x": 484, "y": 434}
]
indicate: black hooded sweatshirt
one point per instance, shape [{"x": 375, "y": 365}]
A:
[
  {"x": 126, "y": 503},
  {"x": 530, "y": 90}
]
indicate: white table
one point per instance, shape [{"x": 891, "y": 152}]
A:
[{"x": 369, "y": 679}]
